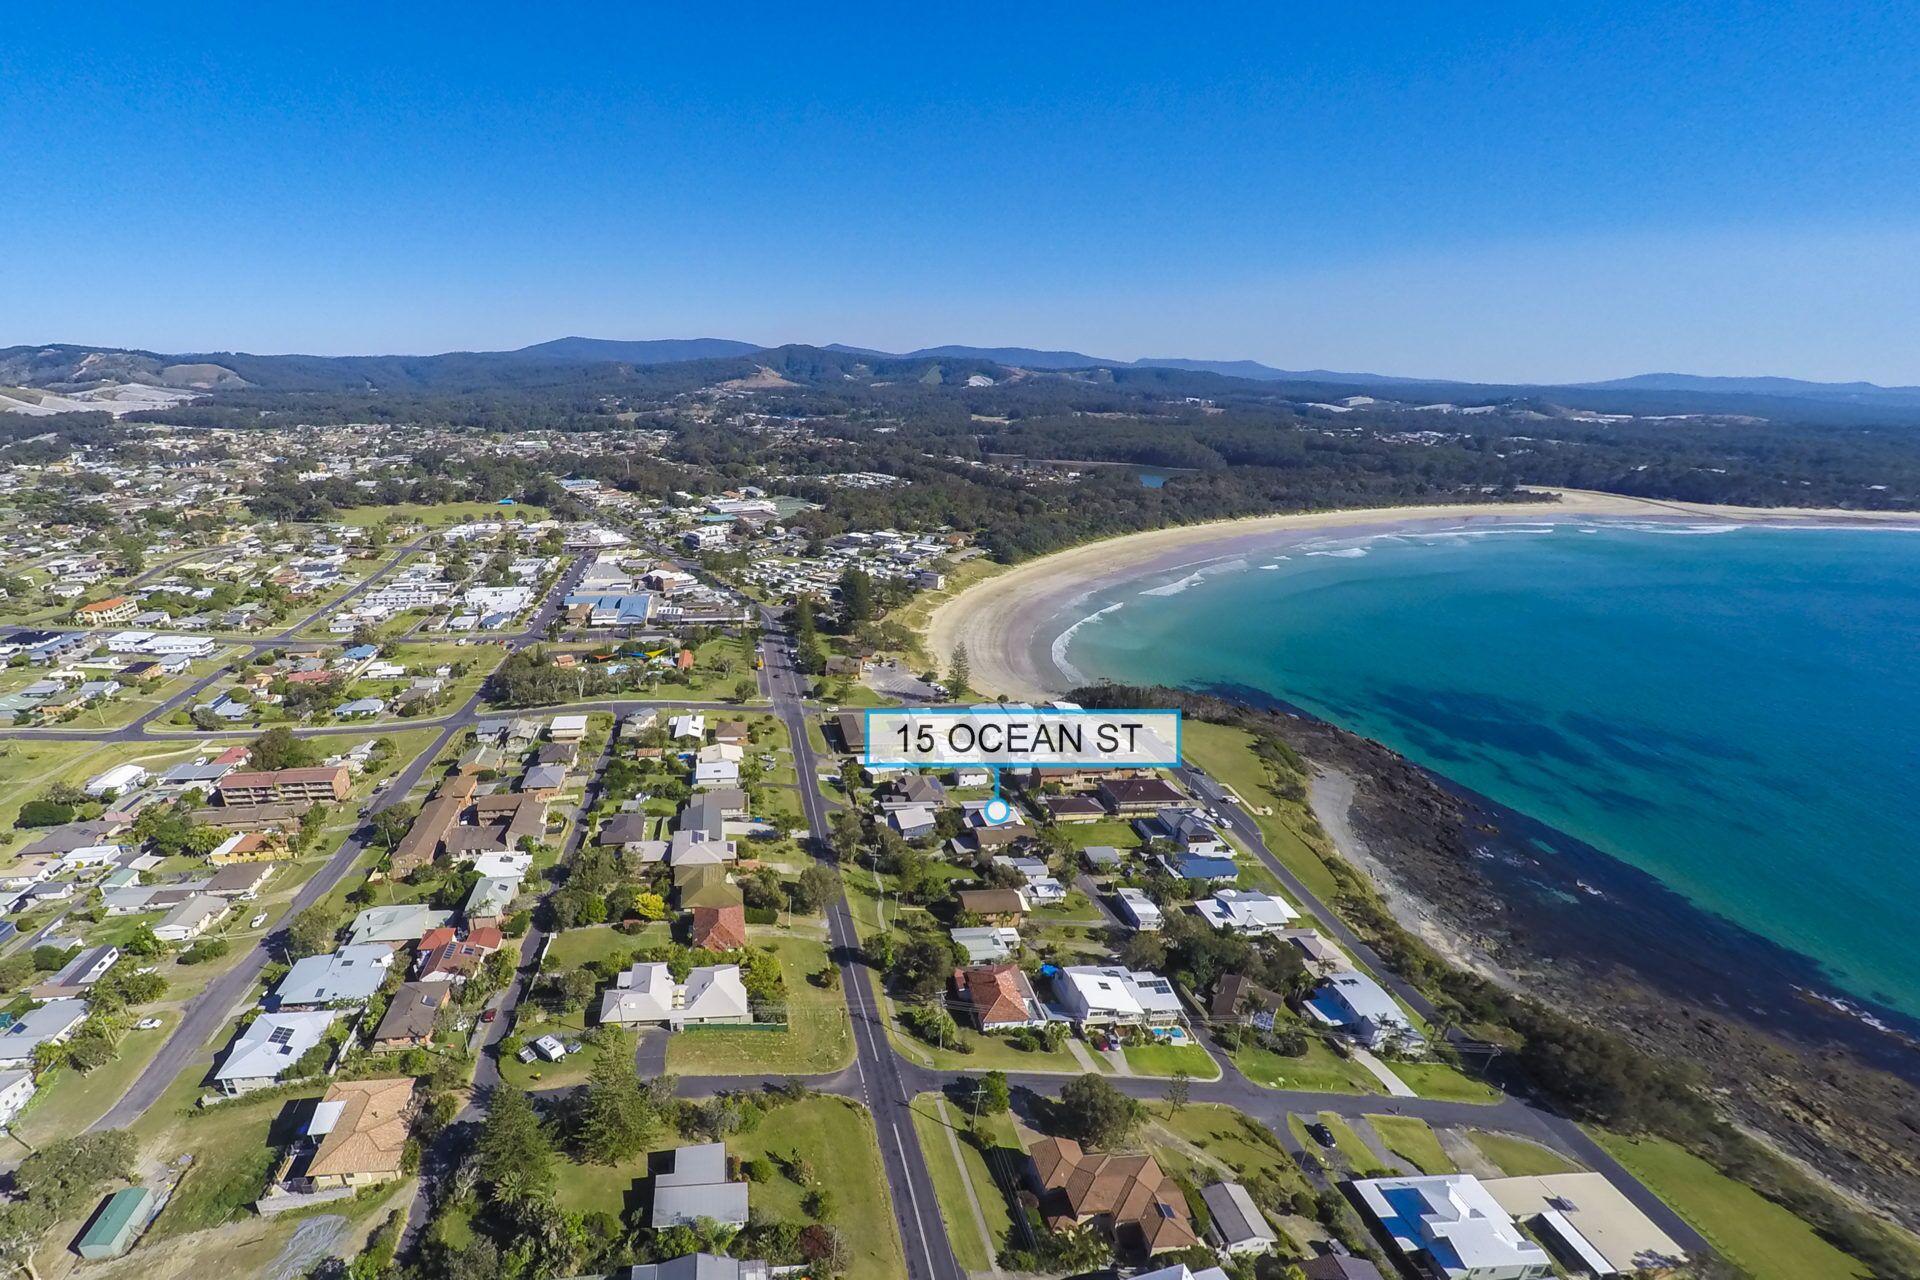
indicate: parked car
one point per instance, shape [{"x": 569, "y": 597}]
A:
[
  {"x": 147, "y": 1024},
  {"x": 550, "y": 1048},
  {"x": 1322, "y": 1135},
  {"x": 257, "y": 921},
  {"x": 488, "y": 1015},
  {"x": 526, "y": 1054}
]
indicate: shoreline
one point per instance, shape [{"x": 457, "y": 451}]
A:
[{"x": 1008, "y": 622}]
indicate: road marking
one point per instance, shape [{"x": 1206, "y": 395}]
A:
[{"x": 906, "y": 1174}]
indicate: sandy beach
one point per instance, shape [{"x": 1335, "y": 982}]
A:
[{"x": 1003, "y": 621}]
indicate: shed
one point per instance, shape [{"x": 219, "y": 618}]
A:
[{"x": 112, "y": 1230}]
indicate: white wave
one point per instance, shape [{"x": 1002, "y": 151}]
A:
[
  {"x": 1195, "y": 578},
  {"x": 1058, "y": 649},
  {"x": 1343, "y": 553}
]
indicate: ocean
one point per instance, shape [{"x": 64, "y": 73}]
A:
[{"x": 1730, "y": 710}]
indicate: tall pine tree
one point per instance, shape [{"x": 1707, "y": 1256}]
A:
[
  {"x": 514, "y": 1160},
  {"x": 615, "y": 1118}
]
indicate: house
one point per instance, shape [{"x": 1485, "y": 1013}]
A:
[
  {"x": 1587, "y": 1223},
  {"x": 356, "y": 1136},
  {"x": 699, "y": 1266},
  {"x": 1238, "y": 998},
  {"x": 241, "y": 880},
  {"x": 623, "y": 831},
  {"x": 852, "y": 727},
  {"x": 79, "y": 973},
  {"x": 1450, "y": 1227},
  {"x": 1238, "y": 1225},
  {"x": 1074, "y": 809},
  {"x": 567, "y": 729},
  {"x": 918, "y": 788},
  {"x": 1107, "y": 995},
  {"x": 1339, "y": 1266},
  {"x": 1000, "y": 906},
  {"x": 998, "y": 997},
  {"x": 1355, "y": 1003},
  {"x": 1246, "y": 911},
  {"x": 1128, "y": 1197},
  {"x": 51, "y": 1023},
  {"x": 396, "y": 925},
  {"x": 703, "y": 885},
  {"x": 119, "y": 780},
  {"x": 1193, "y": 866},
  {"x": 716, "y": 773},
  {"x": 191, "y": 918},
  {"x": 987, "y": 944},
  {"x": 544, "y": 780},
  {"x": 913, "y": 822},
  {"x": 16, "y": 1090},
  {"x": 347, "y": 976},
  {"x": 692, "y": 725},
  {"x": 446, "y": 957},
  {"x": 490, "y": 902},
  {"x": 103, "y": 613},
  {"x": 1041, "y": 889},
  {"x": 1138, "y": 797},
  {"x": 732, "y": 732},
  {"x": 720, "y": 928},
  {"x": 120, "y": 1220},
  {"x": 647, "y": 995},
  {"x": 1140, "y": 911},
  {"x": 361, "y": 707},
  {"x": 561, "y": 753},
  {"x": 268, "y": 1047},
  {"x": 409, "y": 1020},
  {"x": 1186, "y": 831},
  {"x": 692, "y": 1184}
]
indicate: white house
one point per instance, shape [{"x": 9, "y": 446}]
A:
[
  {"x": 269, "y": 1045},
  {"x": 716, "y": 773},
  {"x": 1246, "y": 911},
  {"x": 567, "y": 729},
  {"x": 16, "y": 1090},
  {"x": 119, "y": 779},
  {"x": 191, "y": 918},
  {"x": 51, "y": 1023},
  {"x": 647, "y": 995},
  {"x": 1103, "y": 995},
  {"x": 352, "y": 973},
  {"x": 1450, "y": 1226},
  {"x": 692, "y": 725},
  {"x": 1356, "y": 1004},
  {"x": 1142, "y": 912}
]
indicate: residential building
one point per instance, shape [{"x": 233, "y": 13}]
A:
[
  {"x": 998, "y": 997},
  {"x": 347, "y": 976},
  {"x": 356, "y": 1137},
  {"x": 410, "y": 1017},
  {"x": 1138, "y": 797},
  {"x": 987, "y": 944},
  {"x": 1181, "y": 1271},
  {"x": 16, "y": 1090},
  {"x": 1355, "y": 1003},
  {"x": 241, "y": 880},
  {"x": 1107, "y": 995},
  {"x": 77, "y": 974},
  {"x": 119, "y": 780},
  {"x": 1006, "y": 906},
  {"x": 1586, "y": 1222},
  {"x": 1128, "y": 1197},
  {"x": 1246, "y": 911},
  {"x": 647, "y": 995},
  {"x": 1450, "y": 1227},
  {"x": 567, "y": 729},
  {"x": 446, "y": 957},
  {"x": 396, "y": 925},
  {"x": 321, "y": 785},
  {"x": 692, "y": 1184},
  {"x": 103, "y": 613},
  {"x": 1339, "y": 1266},
  {"x": 1071, "y": 810},
  {"x": 51, "y": 1023},
  {"x": 268, "y": 1046},
  {"x": 1140, "y": 911},
  {"x": 721, "y": 928},
  {"x": 491, "y": 902},
  {"x": 191, "y": 918},
  {"x": 1238, "y": 1225},
  {"x": 698, "y": 1266}
]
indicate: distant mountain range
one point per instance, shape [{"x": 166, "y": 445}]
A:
[{"x": 68, "y": 370}]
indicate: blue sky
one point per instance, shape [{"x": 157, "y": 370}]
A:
[{"x": 1494, "y": 191}]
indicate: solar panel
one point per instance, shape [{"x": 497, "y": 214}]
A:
[{"x": 280, "y": 1035}]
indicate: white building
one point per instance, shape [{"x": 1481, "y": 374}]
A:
[
  {"x": 692, "y": 725},
  {"x": 51, "y": 1023},
  {"x": 1359, "y": 1006},
  {"x": 1142, "y": 912},
  {"x": 16, "y": 1090},
  {"x": 646, "y": 995},
  {"x": 1103, "y": 995},
  {"x": 1246, "y": 911},
  {"x": 1450, "y": 1226},
  {"x": 269, "y": 1045},
  {"x": 119, "y": 779}
]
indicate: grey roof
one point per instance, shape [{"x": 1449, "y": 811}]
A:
[
  {"x": 1235, "y": 1216},
  {"x": 699, "y": 1266},
  {"x": 694, "y": 1186},
  {"x": 401, "y": 923},
  {"x": 624, "y": 828},
  {"x": 49, "y": 1022},
  {"x": 545, "y": 777},
  {"x": 412, "y": 1010},
  {"x": 351, "y": 973},
  {"x": 1339, "y": 1266}
]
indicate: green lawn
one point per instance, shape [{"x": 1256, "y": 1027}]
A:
[
  {"x": 1444, "y": 1081},
  {"x": 1519, "y": 1157},
  {"x": 1319, "y": 1069},
  {"x": 950, "y": 1180},
  {"x": 1346, "y": 1141},
  {"x": 1167, "y": 1060},
  {"x": 1413, "y": 1141},
  {"x": 1116, "y": 833},
  {"x": 436, "y": 514},
  {"x": 1750, "y": 1231},
  {"x": 1227, "y": 755},
  {"x": 572, "y": 948},
  {"x": 819, "y": 1037},
  {"x": 70, "y": 1101},
  {"x": 837, "y": 1137},
  {"x": 1235, "y": 1140}
]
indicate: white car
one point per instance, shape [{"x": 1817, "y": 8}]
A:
[
  {"x": 147, "y": 1024},
  {"x": 257, "y": 921},
  {"x": 550, "y": 1048}
]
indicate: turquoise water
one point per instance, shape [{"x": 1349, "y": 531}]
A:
[{"x": 1732, "y": 711}]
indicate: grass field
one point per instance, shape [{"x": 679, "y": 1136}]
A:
[
  {"x": 1443, "y": 1081},
  {"x": 1519, "y": 1158},
  {"x": 950, "y": 1182},
  {"x": 1318, "y": 1069},
  {"x": 70, "y": 1101},
  {"x": 1413, "y": 1141},
  {"x": 1167, "y": 1060},
  {"x": 1750, "y": 1231},
  {"x": 1220, "y": 1134},
  {"x": 819, "y": 1037},
  {"x": 438, "y": 514},
  {"x": 29, "y": 766},
  {"x": 572, "y": 948},
  {"x": 1356, "y": 1153},
  {"x": 1227, "y": 755}
]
